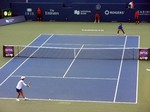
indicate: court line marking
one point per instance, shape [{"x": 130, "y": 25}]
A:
[
  {"x": 97, "y": 35},
  {"x": 137, "y": 80},
  {"x": 24, "y": 61},
  {"x": 55, "y": 77},
  {"x": 82, "y": 44},
  {"x": 69, "y": 101},
  {"x": 120, "y": 69},
  {"x": 92, "y": 30},
  {"x": 73, "y": 61}
]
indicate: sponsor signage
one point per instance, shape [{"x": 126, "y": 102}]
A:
[
  {"x": 11, "y": 20},
  {"x": 6, "y": 13},
  {"x": 109, "y": 12},
  {"x": 52, "y": 12},
  {"x": 29, "y": 12},
  {"x": 8, "y": 51},
  {"x": 144, "y": 12},
  {"x": 144, "y": 54},
  {"x": 82, "y": 12}
]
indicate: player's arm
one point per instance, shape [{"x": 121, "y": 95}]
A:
[{"x": 27, "y": 85}]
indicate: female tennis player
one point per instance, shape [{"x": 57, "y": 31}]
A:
[
  {"x": 120, "y": 27},
  {"x": 19, "y": 88}
]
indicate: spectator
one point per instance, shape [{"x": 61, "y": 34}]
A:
[
  {"x": 136, "y": 17},
  {"x": 97, "y": 18},
  {"x": 131, "y": 4},
  {"x": 39, "y": 14}
]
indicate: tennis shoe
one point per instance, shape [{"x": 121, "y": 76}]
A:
[
  {"x": 26, "y": 99},
  {"x": 17, "y": 99}
]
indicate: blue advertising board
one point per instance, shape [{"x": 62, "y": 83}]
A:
[
  {"x": 12, "y": 20},
  {"x": 90, "y": 1},
  {"x": 50, "y": 12},
  {"x": 82, "y": 11}
]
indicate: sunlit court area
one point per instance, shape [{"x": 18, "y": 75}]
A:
[{"x": 74, "y": 56}]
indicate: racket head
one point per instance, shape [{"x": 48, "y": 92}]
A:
[{"x": 29, "y": 83}]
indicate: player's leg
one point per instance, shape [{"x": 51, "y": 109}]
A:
[
  {"x": 135, "y": 20},
  {"x": 40, "y": 17},
  {"x": 118, "y": 31},
  {"x": 22, "y": 94},
  {"x": 98, "y": 19},
  {"x": 122, "y": 31},
  {"x": 18, "y": 94},
  {"x": 95, "y": 20},
  {"x": 138, "y": 20}
]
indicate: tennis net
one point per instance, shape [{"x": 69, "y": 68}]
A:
[{"x": 78, "y": 53}]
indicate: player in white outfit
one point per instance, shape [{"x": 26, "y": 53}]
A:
[{"x": 19, "y": 86}]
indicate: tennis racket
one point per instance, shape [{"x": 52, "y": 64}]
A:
[{"x": 28, "y": 84}]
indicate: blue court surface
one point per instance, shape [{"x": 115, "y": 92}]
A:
[{"x": 92, "y": 75}]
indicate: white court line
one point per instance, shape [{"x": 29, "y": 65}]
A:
[
  {"x": 47, "y": 44},
  {"x": 73, "y": 61},
  {"x": 119, "y": 74},
  {"x": 95, "y": 35},
  {"x": 60, "y": 101},
  {"x": 25, "y": 61},
  {"x": 54, "y": 77},
  {"x": 92, "y": 30},
  {"x": 99, "y": 35},
  {"x": 137, "y": 73}
]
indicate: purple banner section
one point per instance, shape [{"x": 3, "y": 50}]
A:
[{"x": 11, "y": 20}]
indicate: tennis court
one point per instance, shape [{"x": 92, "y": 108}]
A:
[{"x": 76, "y": 68}]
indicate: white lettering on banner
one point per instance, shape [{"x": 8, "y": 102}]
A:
[
  {"x": 76, "y": 12},
  {"x": 107, "y": 12},
  {"x": 144, "y": 12},
  {"x": 9, "y": 20},
  {"x": 29, "y": 9},
  {"x": 82, "y": 12},
  {"x": 92, "y": 30},
  {"x": 29, "y": 12},
  {"x": 143, "y": 54},
  {"x": 51, "y": 12}
]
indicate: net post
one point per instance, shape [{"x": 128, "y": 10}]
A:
[
  {"x": 133, "y": 53},
  {"x": 17, "y": 51},
  {"x": 74, "y": 52}
]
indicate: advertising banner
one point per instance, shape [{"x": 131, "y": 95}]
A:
[
  {"x": 144, "y": 54},
  {"x": 82, "y": 12},
  {"x": 12, "y": 20}
]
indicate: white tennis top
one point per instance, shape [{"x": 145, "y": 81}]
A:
[
  {"x": 131, "y": 5},
  {"x": 20, "y": 84}
]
